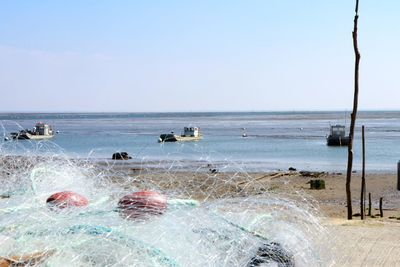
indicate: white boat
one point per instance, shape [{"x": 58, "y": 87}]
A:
[
  {"x": 189, "y": 134},
  {"x": 39, "y": 132}
]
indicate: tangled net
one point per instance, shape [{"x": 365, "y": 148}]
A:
[{"x": 213, "y": 217}]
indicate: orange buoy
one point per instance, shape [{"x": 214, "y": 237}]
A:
[
  {"x": 67, "y": 199},
  {"x": 142, "y": 203}
]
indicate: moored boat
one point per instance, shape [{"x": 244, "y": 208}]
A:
[
  {"x": 337, "y": 136},
  {"x": 189, "y": 134},
  {"x": 39, "y": 132}
]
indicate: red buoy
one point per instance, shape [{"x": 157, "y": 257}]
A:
[
  {"x": 67, "y": 199},
  {"x": 142, "y": 203}
]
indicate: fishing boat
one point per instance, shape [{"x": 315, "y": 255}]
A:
[
  {"x": 337, "y": 136},
  {"x": 188, "y": 134},
  {"x": 39, "y": 132}
]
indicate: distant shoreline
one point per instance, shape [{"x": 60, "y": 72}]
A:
[
  {"x": 177, "y": 165},
  {"x": 202, "y": 112}
]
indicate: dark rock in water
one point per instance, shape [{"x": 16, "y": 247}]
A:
[
  {"x": 213, "y": 170},
  {"x": 121, "y": 155},
  {"x": 272, "y": 253},
  {"x": 292, "y": 169}
]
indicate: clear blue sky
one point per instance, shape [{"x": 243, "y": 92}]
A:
[{"x": 196, "y": 55}]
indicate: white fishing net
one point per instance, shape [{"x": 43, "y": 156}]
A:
[{"x": 217, "y": 214}]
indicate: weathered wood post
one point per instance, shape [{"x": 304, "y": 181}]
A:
[
  {"x": 362, "y": 200},
  {"x": 398, "y": 175},
  {"x": 353, "y": 116},
  {"x": 369, "y": 204},
  {"x": 380, "y": 207}
]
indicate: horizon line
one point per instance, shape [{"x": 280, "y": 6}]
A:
[{"x": 209, "y": 111}]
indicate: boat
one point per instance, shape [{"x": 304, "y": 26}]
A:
[
  {"x": 189, "y": 134},
  {"x": 337, "y": 136},
  {"x": 39, "y": 132}
]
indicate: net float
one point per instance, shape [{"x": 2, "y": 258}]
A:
[
  {"x": 142, "y": 203},
  {"x": 66, "y": 199}
]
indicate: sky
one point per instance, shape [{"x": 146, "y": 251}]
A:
[{"x": 167, "y": 56}]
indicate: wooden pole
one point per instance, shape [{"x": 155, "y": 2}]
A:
[
  {"x": 353, "y": 117},
  {"x": 369, "y": 204},
  {"x": 380, "y": 207},
  {"x": 398, "y": 175},
  {"x": 362, "y": 200}
]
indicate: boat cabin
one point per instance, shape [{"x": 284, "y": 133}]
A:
[
  {"x": 337, "y": 136},
  {"x": 338, "y": 131},
  {"x": 191, "y": 131},
  {"x": 42, "y": 129}
]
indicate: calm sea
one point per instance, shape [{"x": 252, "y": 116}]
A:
[{"x": 276, "y": 140}]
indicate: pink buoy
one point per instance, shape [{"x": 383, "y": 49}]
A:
[
  {"x": 67, "y": 199},
  {"x": 142, "y": 203}
]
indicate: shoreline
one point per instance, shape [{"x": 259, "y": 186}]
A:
[
  {"x": 228, "y": 182},
  {"x": 184, "y": 165}
]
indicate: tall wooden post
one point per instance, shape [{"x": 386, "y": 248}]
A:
[
  {"x": 353, "y": 117},
  {"x": 398, "y": 175},
  {"x": 362, "y": 200},
  {"x": 369, "y": 205}
]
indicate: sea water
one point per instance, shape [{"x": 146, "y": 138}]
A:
[{"x": 275, "y": 140}]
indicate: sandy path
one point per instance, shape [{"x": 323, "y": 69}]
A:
[{"x": 370, "y": 243}]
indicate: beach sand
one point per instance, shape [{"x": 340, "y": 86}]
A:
[{"x": 331, "y": 201}]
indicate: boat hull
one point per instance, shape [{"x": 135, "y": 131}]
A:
[
  {"x": 28, "y": 136},
  {"x": 188, "y": 138},
  {"x": 337, "y": 141},
  {"x": 177, "y": 138},
  {"x": 167, "y": 138}
]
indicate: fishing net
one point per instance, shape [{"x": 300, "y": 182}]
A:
[{"x": 216, "y": 214}]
